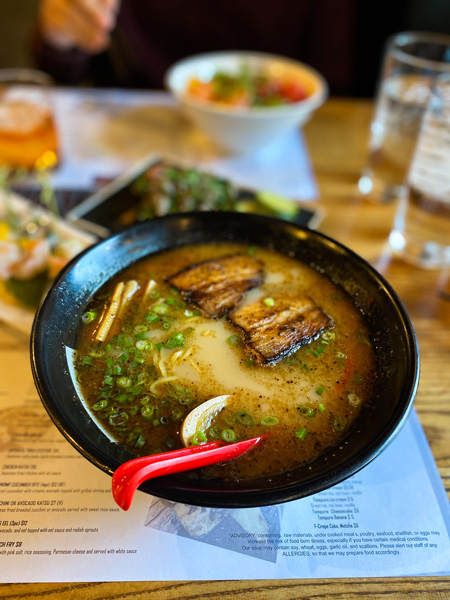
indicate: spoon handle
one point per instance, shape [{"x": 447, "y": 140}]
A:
[{"x": 128, "y": 477}]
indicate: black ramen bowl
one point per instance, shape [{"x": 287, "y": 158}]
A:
[{"x": 57, "y": 324}]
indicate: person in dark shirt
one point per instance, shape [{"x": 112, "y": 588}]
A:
[{"x": 133, "y": 43}]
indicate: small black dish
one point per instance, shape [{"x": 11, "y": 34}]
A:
[
  {"x": 57, "y": 322},
  {"x": 121, "y": 201}
]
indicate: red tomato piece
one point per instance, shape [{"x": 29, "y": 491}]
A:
[{"x": 292, "y": 90}]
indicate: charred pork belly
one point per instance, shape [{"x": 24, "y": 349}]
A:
[
  {"x": 217, "y": 285},
  {"x": 276, "y": 327}
]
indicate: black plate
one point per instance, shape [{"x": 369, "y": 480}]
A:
[
  {"x": 56, "y": 326},
  {"x": 102, "y": 212}
]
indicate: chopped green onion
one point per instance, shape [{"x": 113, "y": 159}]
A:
[
  {"x": 108, "y": 380},
  {"x": 306, "y": 411},
  {"x": 320, "y": 390},
  {"x": 328, "y": 337},
  {"x": 151, "y": 317},
  {"x": 214, "y": 432},
  {"x": 228, "y": 435},
  {"x": 176, "y": 340},
  {"x": 124, "y": 382},
  {"x": 269, "y": 301},
  {"x": 234, "y": 340},
  {"x": 143, "y": 345},
  {"x": 340, "y": 423},
  {"x": 136, "y": 439},
  {"x": 321, "y": 408},
  {"x": 99, "y": 405},
  {"x": 160, "y": 309},
  {"x": 147, "y": 412},
  {"x": 353, "y": 399},
  {"x": 301, "y": 433},
  {"x": 181, "y": 394},
  {"x": 198, "y": 438},
  {"x": 230, "y": 419},
  {"x": 140, "y": 328},
  {"x": 318, "y": 351},
  {"x": 249, "y": 362},
  {"x": 123, "y": 358},
  {"x": 107, "y": 412},
  {"x": 244, "y": 418},
  {"x": 269, "y": 421},
  {"x": 88, "y": 317},
  {"x": 177, "y": 413},
  {"x": 118, "y": 419}
]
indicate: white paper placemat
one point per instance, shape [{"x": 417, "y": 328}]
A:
[{"x": 59, "y": 522}]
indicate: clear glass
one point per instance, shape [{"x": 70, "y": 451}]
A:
[
  {"x": 421, "y": 232},
  {"x": 28, "y": 138},
  {"x": 411, "y": 64}
]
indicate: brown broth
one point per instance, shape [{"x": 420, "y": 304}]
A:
[{"x": 314, "y": 395}]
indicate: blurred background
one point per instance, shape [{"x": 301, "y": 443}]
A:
[{"x": 367, "y": 25}]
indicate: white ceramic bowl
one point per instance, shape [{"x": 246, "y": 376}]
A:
[{"x": 243, "y": 129}]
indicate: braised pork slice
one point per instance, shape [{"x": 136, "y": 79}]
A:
[
  {"x": 275, "y": 328},
  {"x": 217, "y": 285}
]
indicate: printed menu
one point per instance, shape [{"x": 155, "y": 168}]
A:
[{"x": 59, "y": 522}]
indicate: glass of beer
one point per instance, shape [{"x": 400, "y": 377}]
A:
[
  {"x": 412, "y": 62},
  {"x": 421, "y": 232},
  {"x": 28, "y": 138}
]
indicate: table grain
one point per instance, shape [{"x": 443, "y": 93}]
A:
[{"x": 337, "y": 142}]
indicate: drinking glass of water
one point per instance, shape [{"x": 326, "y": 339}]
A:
[
  {"x": 412, "y": 62},
  {"x": 421, "y": 232}
]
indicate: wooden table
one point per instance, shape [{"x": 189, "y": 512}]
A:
[{"x": 337, "y": 138}]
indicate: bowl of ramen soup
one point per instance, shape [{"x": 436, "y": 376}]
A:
[
  {"x": 313, "y": 347},
  {"x": 245, "y": 101}
]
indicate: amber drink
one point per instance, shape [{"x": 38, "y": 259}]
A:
[{"x": 28, "y": 138}]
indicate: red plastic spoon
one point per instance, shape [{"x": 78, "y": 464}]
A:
[{"x": 129, "y": 476}]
